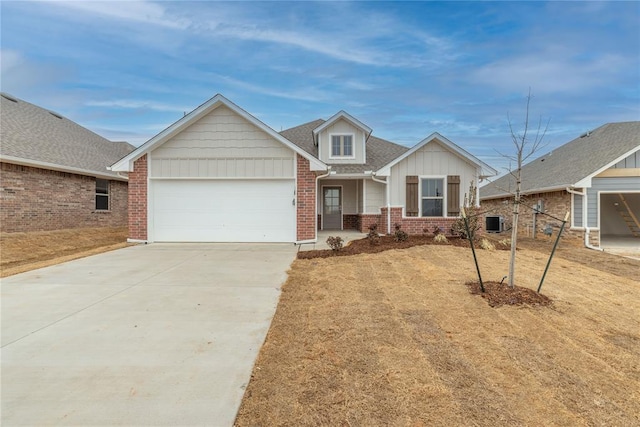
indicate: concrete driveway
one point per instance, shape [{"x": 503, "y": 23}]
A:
[{"x": 163, "y": 334}]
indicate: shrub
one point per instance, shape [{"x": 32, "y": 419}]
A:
[
  {"x": 400, "y": 235},
  {"x": 436, "y": 230},
  {"x": 373, "y": 236},
  {"x": 505, "y": 242},
  {"x": 335, "y": 243},
  {"x": 440, "y": 238},
  {"x": 485, "y": 244}
]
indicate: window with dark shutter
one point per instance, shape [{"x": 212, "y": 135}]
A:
[
  {"x": 412, "y": 196},
  {"x": 453, "y": 195}
]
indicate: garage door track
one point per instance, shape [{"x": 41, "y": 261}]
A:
[{"x": 163, "y": 334}]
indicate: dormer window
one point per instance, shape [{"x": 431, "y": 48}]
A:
[{"x": 342, "y": 146}]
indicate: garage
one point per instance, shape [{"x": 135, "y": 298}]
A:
[
  {"x": 220, "y": 210},
  {"x": 619, "y": 219}
]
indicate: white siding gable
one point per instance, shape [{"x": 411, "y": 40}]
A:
[
  {"x": 222, "y": 144},
  {"x": 431, "y": 160}
]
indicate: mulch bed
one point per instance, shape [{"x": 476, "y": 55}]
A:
[
  {"x": 498, "y": 294},
  {"x": 385, "y": 243}
]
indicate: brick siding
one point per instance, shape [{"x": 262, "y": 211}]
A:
[
  {"x": 34, "y": 199},
  {"x": 556, "y": 203},
  {"x": 138, "y": 200},
  {"x": 365, "y": 220},
  {"x": 414, "y": 225},
  {"x": 306, "y": 216}
]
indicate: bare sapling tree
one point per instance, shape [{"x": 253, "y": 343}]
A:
[{"x": 526, "y": 142}]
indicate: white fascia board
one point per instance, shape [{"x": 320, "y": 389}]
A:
[
  {"x": 586, "y": 181},
  {"x": 61, "y": 168},
  {"x": 485, "y": 169},
  {"x": 342, "y": 115},
  {"x": 126, "y": 163}
]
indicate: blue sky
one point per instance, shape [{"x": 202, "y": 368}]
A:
[{"x": 126, "y": 70}]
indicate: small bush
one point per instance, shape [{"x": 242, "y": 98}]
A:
[
  {"x": 335, "y": 243},
  {"x": 373, "y": 236},
  {"x": 485, "y": 244},
  {"x": 505, "y": 242},
  {"x": 440, "y": 238},
  {"x": 400, "y": 235},
  {"x": 436, "y": 230}
]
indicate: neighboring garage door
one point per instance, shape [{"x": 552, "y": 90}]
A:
[{"x": 223, "y": 211}]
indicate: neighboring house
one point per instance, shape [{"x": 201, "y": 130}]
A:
[
  {"x": 595, "y": 177},
  {"x": 221, "y": 175},
  {"x": 54, "y": 172}
]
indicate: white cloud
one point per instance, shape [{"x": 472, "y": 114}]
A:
[
  {"x": 551, "y": 73},
  {"x": 138, "y": 104},
  {"x": 136, "y": 11}
]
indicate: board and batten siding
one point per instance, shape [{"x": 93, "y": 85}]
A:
[
  {"x": 374, "y": 196},
  {"x": 342, "y": 127},
  {"x": 222, "y": 144},
  {"x": 630, "y": 162},
  {"x": 577, "y": 210},
  {"x": 612, "y": 185},
  {"x": 433, "y": 159}
]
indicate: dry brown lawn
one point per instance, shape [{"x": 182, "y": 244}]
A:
[
  {"x": 20, "y": 252},
  {"x": 396, "y": 339}
]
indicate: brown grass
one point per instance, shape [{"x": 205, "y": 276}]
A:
[
  {"x": 396, "y": 338},
  {"x": 20, "y": 252}
]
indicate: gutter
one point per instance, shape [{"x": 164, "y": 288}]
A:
[
  {"x": 587, "y": 244},
  {"x": 387, "y": 196}
]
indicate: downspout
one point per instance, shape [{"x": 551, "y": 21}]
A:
[
  {"x": 387, "y": 196},
  {"x": 587, "y": 244}
]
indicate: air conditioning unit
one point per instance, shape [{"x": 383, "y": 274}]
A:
[{"x": 494, "y": 224}]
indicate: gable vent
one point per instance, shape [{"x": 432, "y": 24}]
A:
[
  {"x": 9, "y": 98},
  {"x": 55, "y": 115}
]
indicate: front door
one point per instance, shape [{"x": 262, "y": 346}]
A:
[{"x": 332, "y": 208}]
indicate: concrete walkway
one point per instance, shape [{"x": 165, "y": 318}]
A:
[{"x": 164, "y": 334}]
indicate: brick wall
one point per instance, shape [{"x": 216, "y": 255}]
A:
[
  {"x": 34, "y": 199},
  {"x": 138, "y": 200},
  {"x": 365, "y": 220},
  {"x": 413, "y": 225},
  {"x": 556, "y": 203},
  {"x": 350, "y": 222},
  {"x": 306, "y": 201}
]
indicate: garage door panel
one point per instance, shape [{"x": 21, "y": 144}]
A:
[{"x": 223, "y": 211}]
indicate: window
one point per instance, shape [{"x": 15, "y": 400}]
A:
[
  {"x": 432, "y": 196},
  {"x": 102, "y": 194},
  {"x": 341, "y": 146}
]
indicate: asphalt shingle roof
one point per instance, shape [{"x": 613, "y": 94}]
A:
[
  {"x": 29, "y": 132},
  {"x": 379, "y": 151},
  {"x": 571, "y": 162}
]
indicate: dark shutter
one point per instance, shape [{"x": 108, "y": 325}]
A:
[
  {"x": 453, "y": 195},
  {"x": 412, "y": 196}
]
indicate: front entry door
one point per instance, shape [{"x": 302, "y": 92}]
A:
[{"x": 332, "y": 211}]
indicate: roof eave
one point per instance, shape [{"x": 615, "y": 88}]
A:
[{"x": 61, "y": 168}]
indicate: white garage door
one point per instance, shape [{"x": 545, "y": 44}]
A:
[{"x": 223, "y": 211}]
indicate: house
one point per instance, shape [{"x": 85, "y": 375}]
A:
[
  {"x": 595, "y": 177},
  {"x": 54, "y": 172},
  {"x": 220, "y": 175}
]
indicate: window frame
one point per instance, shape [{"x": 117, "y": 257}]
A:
[
  {"x": 423, "y": 178},
  {"x": 341, "y": 136},
  {"x": 106, "y": 194}
]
